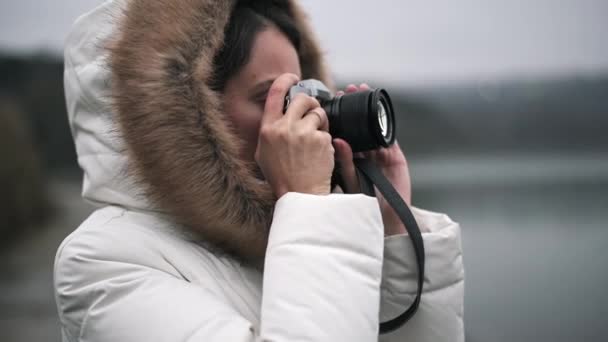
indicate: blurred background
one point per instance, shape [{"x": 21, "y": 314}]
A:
[{"x": 503, "y": 113}]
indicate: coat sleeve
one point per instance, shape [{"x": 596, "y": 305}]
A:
[
  {"x": 321, "y": 282},
  {"x": 440, "y": 314}
]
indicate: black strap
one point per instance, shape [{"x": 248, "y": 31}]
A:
[{"x": 369, "y": 175}]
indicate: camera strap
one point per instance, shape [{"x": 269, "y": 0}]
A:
[{"x": 370, "y": 176}]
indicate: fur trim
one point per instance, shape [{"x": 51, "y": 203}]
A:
[{"x": 178, "y": 139}]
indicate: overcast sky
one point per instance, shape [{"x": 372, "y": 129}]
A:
[{"x": 400, "y": 41}]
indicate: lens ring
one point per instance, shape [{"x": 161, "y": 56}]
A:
[
  {"x": 382, "y": 120},
  {"x": 387, "y": 121}
]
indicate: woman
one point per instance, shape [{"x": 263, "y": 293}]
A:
[{"x": 215, "y": 219}]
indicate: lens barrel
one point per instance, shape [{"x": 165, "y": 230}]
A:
[{"x": 365, "y": 119}]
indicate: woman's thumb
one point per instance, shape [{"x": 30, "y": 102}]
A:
[{"x": 344, "y": 155}]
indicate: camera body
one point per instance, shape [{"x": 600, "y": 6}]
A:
[
  {"x": 311, "y": 87},
  {"x": 365, "y": 119}
]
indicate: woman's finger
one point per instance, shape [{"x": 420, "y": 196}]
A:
[
  {"x": 273, "y": 108},
  {"x": 315, "y": 119},
  {"x": 344, "y": 155},
  {"x": 351, "y": 88},
  {"x": 300, "y": 106}
]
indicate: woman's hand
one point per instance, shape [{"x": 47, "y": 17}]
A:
[
  {"x": 391, "y": 162},
  {"x": 294, "y": 150}
]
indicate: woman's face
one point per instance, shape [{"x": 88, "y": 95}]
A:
[{"x": 272, "y": 55}]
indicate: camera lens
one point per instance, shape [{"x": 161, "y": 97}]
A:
[{"x": 364, "y": 119}]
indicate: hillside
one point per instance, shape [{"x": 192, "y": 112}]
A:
[{"x": 567, "y": 114}]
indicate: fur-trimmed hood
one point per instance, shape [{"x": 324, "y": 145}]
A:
[{"x": 151, "y": 133}]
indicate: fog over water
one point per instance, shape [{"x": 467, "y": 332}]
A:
[{"x": 400, "y": 42}]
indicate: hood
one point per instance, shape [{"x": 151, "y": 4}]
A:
[{"x": 150, "y": 133}]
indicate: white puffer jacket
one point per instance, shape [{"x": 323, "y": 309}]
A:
[{"x": 130, "y": 273}]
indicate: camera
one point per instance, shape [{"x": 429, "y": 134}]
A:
[{"x": 365, "y": 119}]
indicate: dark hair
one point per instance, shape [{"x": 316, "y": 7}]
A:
[{"x": 246, "y": 21}]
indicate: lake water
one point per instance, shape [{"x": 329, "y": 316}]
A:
[
  {"x": 535, "y": 241},
  {"x": 535, "y": 237}
]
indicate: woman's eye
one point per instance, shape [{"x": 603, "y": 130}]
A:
[{"x": 261, "y": 100}]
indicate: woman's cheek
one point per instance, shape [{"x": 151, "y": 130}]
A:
[{"x": 252, "y": 128}]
